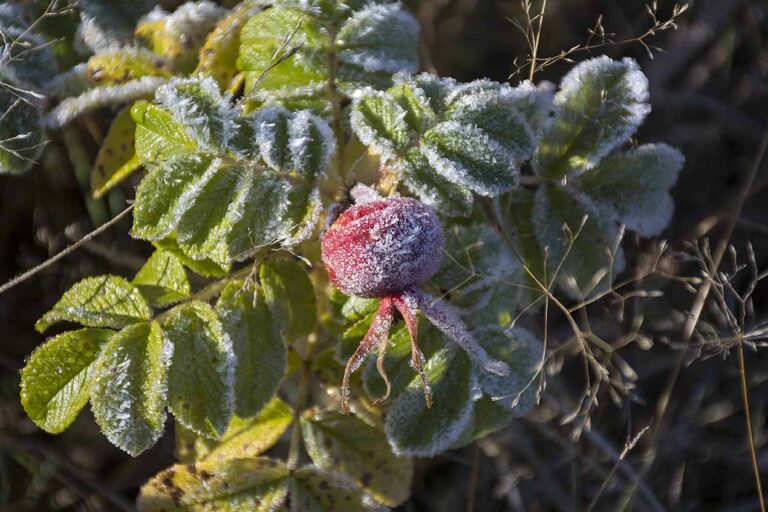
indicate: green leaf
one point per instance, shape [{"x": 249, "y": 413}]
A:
[
  {"x": 204, "y": 267},
  {"x": 526, "y": 240},
  {"x": 162, "y": 279},
  {"x": 351, "y": 446},
  {"x": 129, "y": 391},
  {"x": 201, "y": 375},
  {"x": 57, "y": 379},
  {"x": 198, "y": 105},
  {"x": 291, "y": 142},
  {"x": 372, "y": 43},
  {"x": 220, "y": 210},
  {"x": 158, "y": 136},
  {"x": 116, "y": 66},
  {"x": 103, "y": 301},
  {"x": 28, "y": 59},
  {"x": 315, "y": 490},
  {"x": 380, "y": 122},
  {"x": 633, "y": 187},
  {"x": 178, "y": 36},
  {"x": 414, "y": 429},
  {"x": 258, "y": 346},
  {"x": 522, "y": 352},
  {"x": 109, "y": 23},
  {"x": 290, "y": 296},
  {"x": 218, "y": 55},
  {"x": 587, "y": 257},
  {"x": 433, "y": 189},
  {"x": 21, "y": 133},
  {"x": 249, "y": 437},
  {"x": 600, "y": 104},
  {"x": 232, "y": 485},
  {"x": 116, "y": 159},
  {"x": 487, "y": 417},
  {"x": 481, "y": 144}
]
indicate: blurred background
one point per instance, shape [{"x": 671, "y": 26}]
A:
[{"x": 709, "y": 93}]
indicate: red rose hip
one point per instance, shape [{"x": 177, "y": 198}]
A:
[{"x": 383, "y": 247}]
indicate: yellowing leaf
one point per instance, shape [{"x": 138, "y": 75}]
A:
[{"x": 117, "y": 158}]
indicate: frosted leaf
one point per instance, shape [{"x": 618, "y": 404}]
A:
[
  {"x": 633, "y": 187},
  {"x": 379, "y": 122},
  {"x": 57, "y": 378},
  {"x": 311, "y": 143},
  {"x": 201, "y": 375},
  {"x": 108, "y": 24},
  {"x": 475, "y": 88},
  {"x": 601, "y": 102},
  {"x": 177, "y": 36},
  {"x": 496, "y": 113},
  {"x": 198, "y": 105},
  {"x": 373, "y": 41},
  {"x": 166, "y": 192},
  {"x": 526, "y": 241},
  {"x": 445, "y": 196},
  {"x": 70, "y": 108},
  {"x": 103, "y": 301},
  {"x": 232, "y": 485},
  {"x": 157, "y": 136},
  {"x": 21, "y": 134},
  {"x": 436, "y": 89},
  {"x": 162, "y": 280},
  {"x": 258, "y": 347},
  {"x": 379, "y": 38},
  {"x": 317, "y": 490},
  {"x": 522, "y": 352},
  {"x": 347, "y": 444},
  {"x": 290, "y": 296},
  {"x": 466, "y": 155},
  {"x": 263, "y": 35},
  {"x": 128, "y": 395},
  {"x": 204, "y": 267},
  {"x": 270, "y": 128},
  {"x": 536, "y": 103},
  {"x": 557, "y": 214},
  {"x": 414, "y": 429}
]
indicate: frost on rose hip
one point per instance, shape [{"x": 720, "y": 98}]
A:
[{"x": 385, "y": 248}]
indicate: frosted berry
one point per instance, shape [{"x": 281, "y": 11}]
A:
[
  {"x": 383, "y": 247},
  {"x": 386, "y": 248}
]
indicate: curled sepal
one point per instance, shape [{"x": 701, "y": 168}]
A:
[
  {"x": 406, "y": 305},
  {"x": 448, "y": 321},
  {"x": 375, "y": 337}
]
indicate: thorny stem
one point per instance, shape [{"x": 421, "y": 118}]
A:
[
  {"x": 301, "y": 401},
  {"x": 748, "y": 423}
]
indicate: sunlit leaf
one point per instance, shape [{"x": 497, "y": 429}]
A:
[
  {"x": 201, "y": 375},
  {"x": 103, "y": 301},
  {"x": 57, "y": 379},
  {"x": 351, "y": 446},
  {"x": 162, "y": 280},
  {"x": 258, "y": 346},
  {"x": 129, "y": 392}
]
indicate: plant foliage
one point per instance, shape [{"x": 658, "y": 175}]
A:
[{"x": 243, "y": 128}]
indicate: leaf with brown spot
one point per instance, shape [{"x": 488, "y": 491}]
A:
[
  {"x": 316, "y": 490},
  {"x": 121, "y": 65},
  {"x": 349, "y": 445},
  {"x": 117, "y": 157},
  {"x": 234, "y": 485}
]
